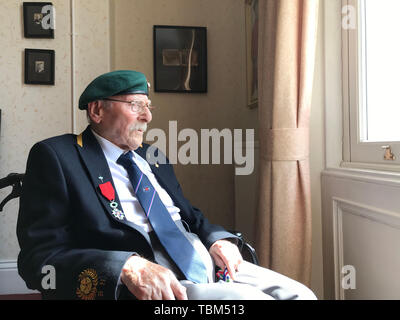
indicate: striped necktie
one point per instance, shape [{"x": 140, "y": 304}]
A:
[{"x": 174, "y": 241}]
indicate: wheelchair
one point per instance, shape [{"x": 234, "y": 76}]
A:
[{"x": 15, "y": 180}]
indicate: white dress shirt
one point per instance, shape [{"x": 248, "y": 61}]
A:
[{"x": 130, "y": 204}]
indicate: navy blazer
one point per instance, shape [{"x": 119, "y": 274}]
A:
[{"x": 64, "y": 220}]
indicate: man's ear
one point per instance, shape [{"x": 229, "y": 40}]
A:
[{"x": 95, "y": 111}]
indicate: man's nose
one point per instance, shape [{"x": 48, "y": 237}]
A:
[{"x": 145, "y": 115}]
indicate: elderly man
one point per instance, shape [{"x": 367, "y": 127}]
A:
[{"x": 114, "y": 226}]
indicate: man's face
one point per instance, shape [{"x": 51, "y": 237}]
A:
[{"x": 122, "y": 126}]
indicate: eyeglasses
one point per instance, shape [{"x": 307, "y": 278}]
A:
[{"x": 136, "y": 106}]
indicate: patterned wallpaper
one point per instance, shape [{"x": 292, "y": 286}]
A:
[{"x": 31, "y": 113}]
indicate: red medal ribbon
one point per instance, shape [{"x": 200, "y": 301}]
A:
[{"x": 107, "y": 190}]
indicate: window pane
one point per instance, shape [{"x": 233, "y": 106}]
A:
[{"x": 382, "y": 71}]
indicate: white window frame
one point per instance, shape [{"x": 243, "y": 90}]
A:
[{"x": 356, "y": 153}]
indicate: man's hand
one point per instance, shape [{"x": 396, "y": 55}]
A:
[
  {"x": 226, "y": 254},
  {"x": 150, "y": 281}
]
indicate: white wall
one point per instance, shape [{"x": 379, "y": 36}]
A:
[{"x": 360, "y": 208}]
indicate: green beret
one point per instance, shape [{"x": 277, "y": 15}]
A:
[{"x": 112, "y": 84}]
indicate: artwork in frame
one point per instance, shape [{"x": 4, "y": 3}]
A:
[
  {"x": 39, "y": 19},
  {"x": 180, "y": 59},
  {"x": 251, "y": 17},
  {"x": 39, "y": 66}
]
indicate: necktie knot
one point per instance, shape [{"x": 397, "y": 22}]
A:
[{"x": 125, "y": 160}]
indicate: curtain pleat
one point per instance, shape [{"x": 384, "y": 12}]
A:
[{"x": 287, "y": 41}]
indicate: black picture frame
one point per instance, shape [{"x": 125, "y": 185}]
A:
[
  {"x": 39, "y": 66},
  {"x": 180, "y": 59},
  {"x": 33, "y": 18}
]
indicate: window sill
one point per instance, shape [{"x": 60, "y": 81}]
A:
[
  {"x": 393, "y": 169},
  {"x": 366, "y": 174}
]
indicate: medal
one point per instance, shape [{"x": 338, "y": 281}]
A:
[
  {"x": 118, "y": 214},
  {"x": 108, "y": 192}
]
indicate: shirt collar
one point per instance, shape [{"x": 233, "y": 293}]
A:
[{"x": 111, "y": 151}]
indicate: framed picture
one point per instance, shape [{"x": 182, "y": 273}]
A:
[
  {"x": 38, "y": 19},
  {"x": 39, "y": 66},
  {"x": 180, "y": 59},
  {"x": 251, "y": 13}
]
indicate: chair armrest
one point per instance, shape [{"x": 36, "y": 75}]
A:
[
  {"x": 247, "y": 251},
  {"x": 14, "y": 180}
]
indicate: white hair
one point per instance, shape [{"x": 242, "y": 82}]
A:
[{"x": 106, "y": 104}]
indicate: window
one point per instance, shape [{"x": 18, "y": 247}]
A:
[{"x": 371, "y": 74}]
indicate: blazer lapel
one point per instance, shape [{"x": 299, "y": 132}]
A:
[{"x": 99, "y": 172}]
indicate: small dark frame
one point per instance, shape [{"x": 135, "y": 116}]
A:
[
  {"x": 39, "y": 66},
  {"x": 180, "y": 59},
  {"x": 33, "y": 26}
]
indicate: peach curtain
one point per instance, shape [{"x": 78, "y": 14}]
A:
[{"x": 286, "y": 54}]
